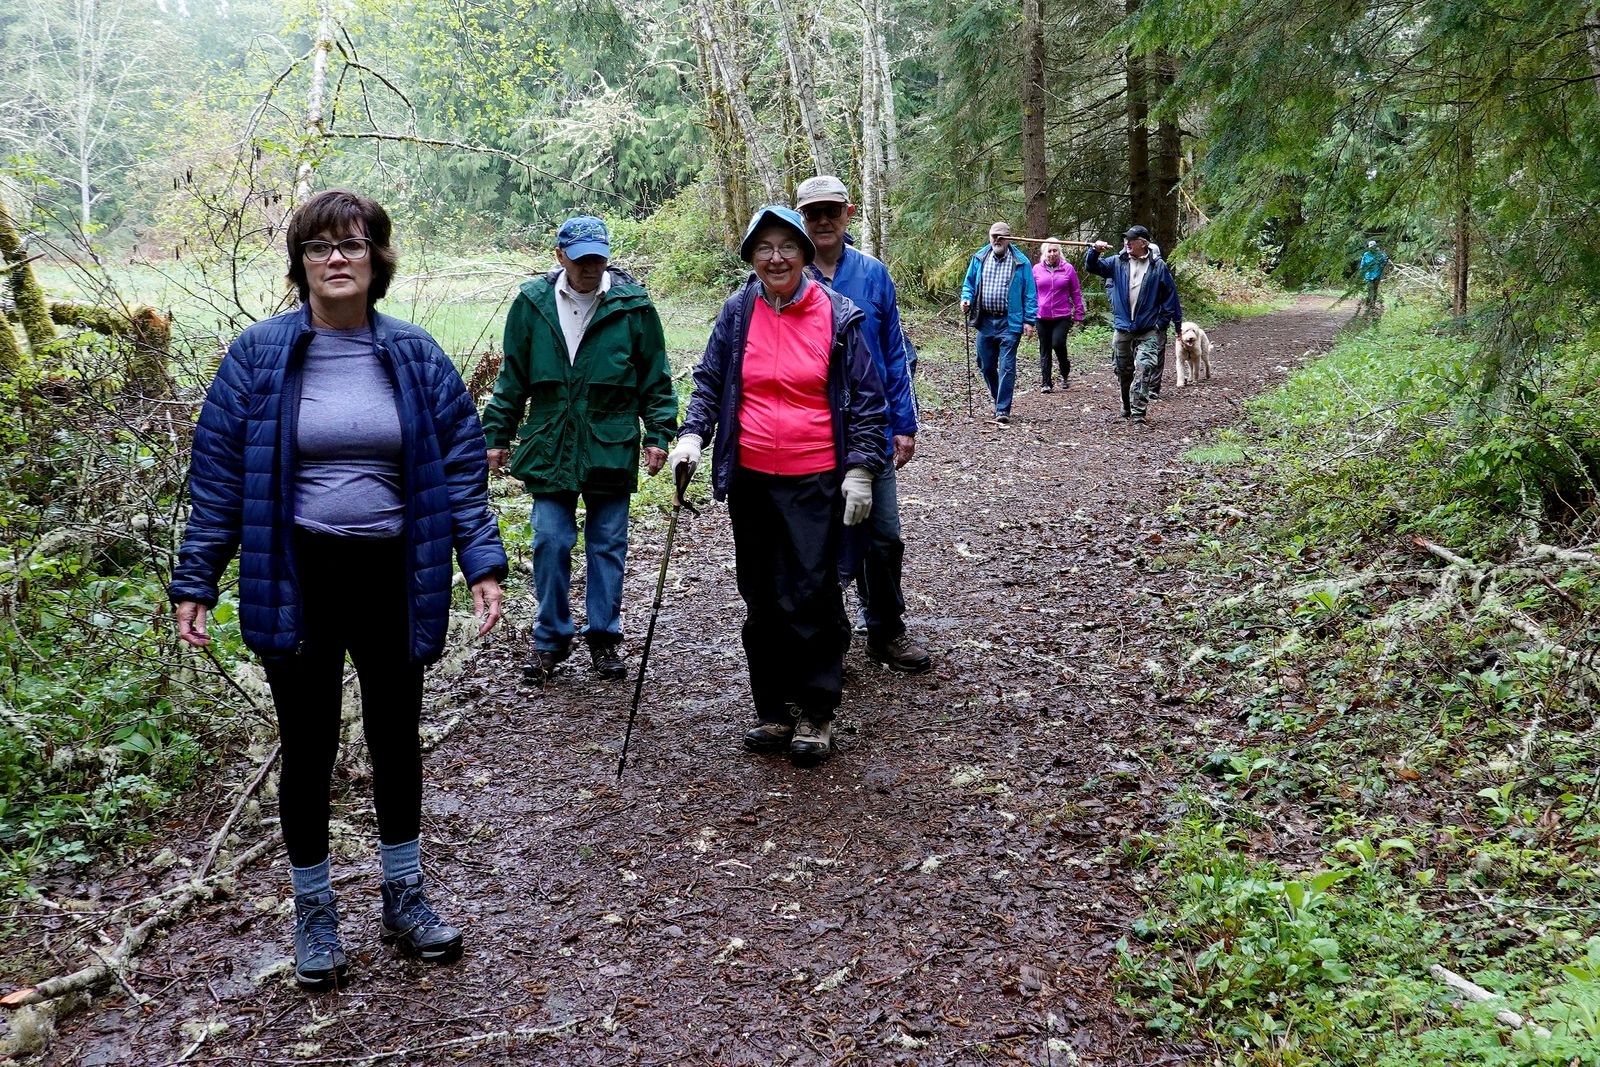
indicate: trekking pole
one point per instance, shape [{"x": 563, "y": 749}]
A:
[
  {"x": 680, "y": 478},
  {"x": 966, "y": 331}
]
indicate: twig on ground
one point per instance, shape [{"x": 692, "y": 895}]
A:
[
  {"x": 227, "y": 824},
  {"x": 1479, "y": 995}
]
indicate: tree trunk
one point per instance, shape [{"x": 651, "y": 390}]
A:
[
  {"x": 886, "y": 112},
  {"x": 1139, "y": 205},
  {"x": 1169, "y": 150},
  {"x": 1035, "y": 197},
  {"x": 1592, "y": 28},
  {"x": 25, "y": 292},
  {"x": 1463, "y": 256},
  {"x": 729, "y": 183},
  {"x": 316, "y": 101},
  {"x": 738, "y": 104},
  {"x": 871, "y": 140},
  {"x": 798, "y": 52}
]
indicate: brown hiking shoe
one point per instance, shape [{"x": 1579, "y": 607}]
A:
[
  {"x": 903, "y": 654},
  {"x": 768, "y": 736},
  {"x": 813, "y": 743}
]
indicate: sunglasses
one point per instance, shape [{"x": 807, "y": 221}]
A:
[{"x": 822, "y": 211}]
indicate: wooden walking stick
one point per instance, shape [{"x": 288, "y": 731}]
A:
[{"x": 680, "y": 478}]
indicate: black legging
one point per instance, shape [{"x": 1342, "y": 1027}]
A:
[
  {"x": 353, "y": 597},
  {"x": 1053, "y": 338}
]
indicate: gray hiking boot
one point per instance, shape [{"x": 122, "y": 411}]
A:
[
  {"x": 903, "y": 654},
  {"x": 410, "y": 921},
  {"x": 813, "y": 743},
  {"x": 319, "y": 959}
]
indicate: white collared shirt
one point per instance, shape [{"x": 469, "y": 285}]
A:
[{"x": 577, "y": 310}]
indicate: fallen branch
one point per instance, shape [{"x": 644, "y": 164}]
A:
[
  {"x": 1479, "y": 995},
  {"x": 110, "y": 967},
  {"x": 227, "y": 824}
]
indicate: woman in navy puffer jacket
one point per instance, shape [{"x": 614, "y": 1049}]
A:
[{"x": 340, "y": 454}]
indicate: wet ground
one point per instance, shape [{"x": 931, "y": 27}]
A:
[{"x": 948, "y": 889}]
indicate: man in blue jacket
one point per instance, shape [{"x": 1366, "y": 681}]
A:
[
  {"x": 998, "y": 296},
  {"x": 824, "y": 202},
  {"x": 1144, "y": 302}
]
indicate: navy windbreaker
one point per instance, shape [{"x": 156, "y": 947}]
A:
[
  {"x": 855, "y": 393},
  {"x": 241, "y": 482}
]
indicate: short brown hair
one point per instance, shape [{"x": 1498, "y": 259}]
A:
[{"x": 340, "y": 211}]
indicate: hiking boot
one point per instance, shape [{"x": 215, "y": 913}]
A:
[
  {"x": 1046, "y": 389},
  {"x": 903, "y": 654},
  {"x": 544, "y": 663},
  {"x": 768, "y": 736},
  {"x": 813, "y": 743},
  {"x": 606, "y": 659},
  {"x": 319, "y": 959},
  {"x": 1002, "y": 420},
  {"x": 1139, "y": 419},
  {"x": 410, "y": 921}
]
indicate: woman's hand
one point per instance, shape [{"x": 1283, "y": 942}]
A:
[
  {"x": 191, "y": 616},
  {"x": 486, "y": 598}
]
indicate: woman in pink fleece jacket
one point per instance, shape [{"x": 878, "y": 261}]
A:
[{"x": 1060, "y": 305}]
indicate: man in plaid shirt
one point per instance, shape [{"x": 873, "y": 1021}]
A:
[{"x": 998, "y": 297}]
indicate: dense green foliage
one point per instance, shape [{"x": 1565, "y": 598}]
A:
[{"x": 1423, "y": 728}]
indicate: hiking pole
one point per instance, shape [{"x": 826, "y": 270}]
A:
[
  {"x": 680, "y": 478},
  {"x": 966, "y": 331}
]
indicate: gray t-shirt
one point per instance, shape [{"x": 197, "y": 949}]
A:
[{"x": 348, "y": 445}]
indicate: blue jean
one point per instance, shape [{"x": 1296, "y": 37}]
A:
[
  {"x": 605, "y": 545},
  {"x": 882, "y": 604},
  {"x": 997, "y": 359}
]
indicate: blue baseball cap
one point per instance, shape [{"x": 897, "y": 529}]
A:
[
  {"x": 783, "y": 216},
  {"x": 584, "y": 235}
]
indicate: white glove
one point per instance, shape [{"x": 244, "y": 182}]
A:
[
  {"x": 857, "y": 489},
  {"x": 686, "y": 451}
]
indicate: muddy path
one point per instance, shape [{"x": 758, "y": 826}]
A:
[{"x": 948, "y": 889}]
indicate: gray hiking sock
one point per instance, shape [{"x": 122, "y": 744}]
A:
[
  {"x": 401, "y": 860},
  {"x": 314, "y": 879}
]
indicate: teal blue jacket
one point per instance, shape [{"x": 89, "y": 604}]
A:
[{"x": 1023, "y": 304}]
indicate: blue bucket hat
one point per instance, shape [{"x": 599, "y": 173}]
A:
[
  {"x": 784, "y": 216},
  {"x": 584, "y": 235}
]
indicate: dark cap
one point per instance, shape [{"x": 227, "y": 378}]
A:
[{"x": 1135, "y": 231}]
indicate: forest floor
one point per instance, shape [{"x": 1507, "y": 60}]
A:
[{"x": 949, "y": 888}]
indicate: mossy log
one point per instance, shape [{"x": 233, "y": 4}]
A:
[
  {"x": 10, "y": 350},
  {"x": 149, "y": 332},
  {"x": 32, "y": 310}
]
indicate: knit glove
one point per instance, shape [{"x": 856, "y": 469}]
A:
[
  {"x": 857, "y": 489},
  {"x": 685, "y": 453}
]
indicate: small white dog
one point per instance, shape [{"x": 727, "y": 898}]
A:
[{"x": 1194, "y": 352}]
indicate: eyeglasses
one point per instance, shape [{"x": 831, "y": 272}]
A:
[
  {"x": 787, "y": 250},
  {"x": 349, "y": 248},
  {"x": 831, "y": 210}
]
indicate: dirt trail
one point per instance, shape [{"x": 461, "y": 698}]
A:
[{"x": 948, "y": 889}]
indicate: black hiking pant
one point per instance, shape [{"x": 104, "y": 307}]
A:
[
  {"x": 1053, "y": 342},
  {"x": 353, "y": 598},
  {"x": 786, "y": 539}
]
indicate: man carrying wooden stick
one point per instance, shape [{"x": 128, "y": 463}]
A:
[
  {"x": 999, "y": 289},
  {"x": 1144, "y": 302}
]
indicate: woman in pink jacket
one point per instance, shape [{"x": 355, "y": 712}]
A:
[{"x": 1060, "y": 305}]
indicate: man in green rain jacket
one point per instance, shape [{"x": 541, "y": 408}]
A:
[{"x": 586, "y": 360}]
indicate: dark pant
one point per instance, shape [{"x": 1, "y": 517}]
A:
[
  {"x": 786, "y": 558},
  {"x": 353, "y": 598},
  {"x": 1154, "y": 381},
  {"x": 1053, "y": 341},
  {"x": 878, "y": 577}
]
